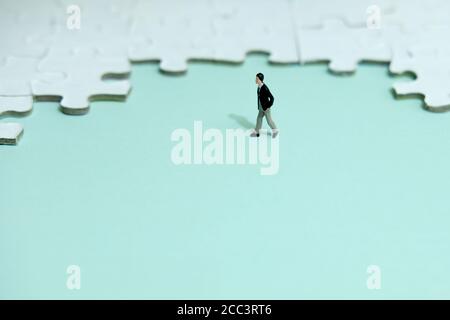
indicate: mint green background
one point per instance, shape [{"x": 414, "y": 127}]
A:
[{"x": 363, "y": 180}]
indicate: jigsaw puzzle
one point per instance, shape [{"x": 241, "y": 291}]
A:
[{"x": 65, "y": 49}]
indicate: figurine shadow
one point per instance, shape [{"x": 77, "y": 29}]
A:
[{"x": 243, "y": 121}]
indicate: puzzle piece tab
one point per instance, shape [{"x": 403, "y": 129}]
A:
[{"x": 344, "y": 47}]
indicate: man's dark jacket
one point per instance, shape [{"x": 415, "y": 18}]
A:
[{"x": 265, "y": 97}]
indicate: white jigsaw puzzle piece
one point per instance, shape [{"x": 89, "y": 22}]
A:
[
  {"x": 344, "y": 47},
  {"x": 105, "y": 26},
  {"x": 15, "y": 104},
  {"x": 10, "y": 133},
  {"x": 354, "y": 13},
  {"x": 271, "y": 32},
  {"x": 85, "y": 71},
  {"x": 176, "y": 32},
  {"x": 16, "y": 75},
  {"x": 414, "y": 15},
  {"x": 23, "y": 24},
  {"x": 432, "y": 80}
]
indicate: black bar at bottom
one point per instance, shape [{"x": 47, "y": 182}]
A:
[{"x": 225, "y": 309}]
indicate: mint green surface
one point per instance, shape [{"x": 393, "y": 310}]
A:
[{"x": 363, "y": 180}]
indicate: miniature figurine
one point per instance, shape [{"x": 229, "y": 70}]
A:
[{"x": 265, "y": 102}]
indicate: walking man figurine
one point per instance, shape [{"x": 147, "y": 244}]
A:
[{"x": 265, "y": 101}]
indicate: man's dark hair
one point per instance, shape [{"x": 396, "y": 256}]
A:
[{"x": 260, "y": 76}]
